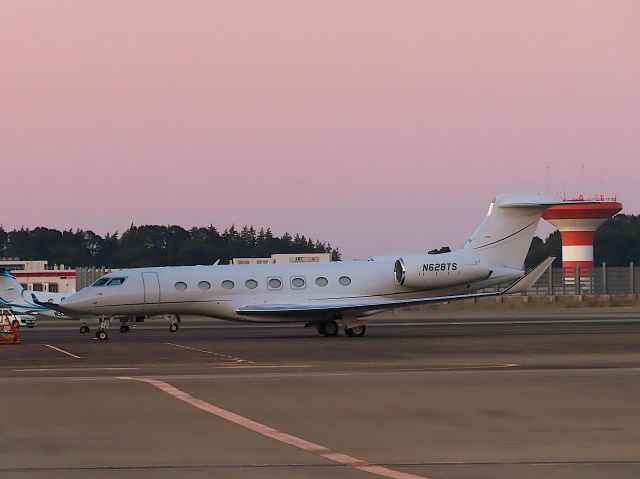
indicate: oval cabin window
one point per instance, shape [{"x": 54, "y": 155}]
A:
[
  {"x": 344, "y": 280},
  {"x": 204, "y": 285},
  {"x": 322, "y": 281},
  {"x": 180, "y": 286},
  {"x": 251, "y": 283},
  {"x": 275, "y": 283},
  {"x": 297, "y": 283},
  {"x": 227, "y": 284}
]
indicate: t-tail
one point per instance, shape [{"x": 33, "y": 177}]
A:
[
  {"x": 504, "y": 236},
  {"x": 10, "y": 289}
]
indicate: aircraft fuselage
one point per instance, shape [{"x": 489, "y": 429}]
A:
[{"x": 218, "y": 291}]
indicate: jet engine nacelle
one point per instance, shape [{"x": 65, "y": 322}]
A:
[{"x": 432, "y": 271}]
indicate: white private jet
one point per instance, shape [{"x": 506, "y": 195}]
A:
[{"x": 322, "y": 294}]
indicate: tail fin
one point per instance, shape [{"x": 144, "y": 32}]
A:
[
  {"x": 10, "y": 289},
  {"x": 504, "y": 236}
]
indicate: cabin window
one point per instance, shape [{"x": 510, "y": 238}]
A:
[
  {"x": 180, "y": 286},
  {"x": 204, "y": 285},
  {"x": 322, "y": 281},
  {"x": 227, "y": 284},
  {"x": 344, "y": 280},
  {"x": 116, "y": 281},
  {"x": 100, "y": 282},
  {"x": 37, "y": 287},
  {"x": 251, "y": 283},
  {"x": 275, "y": 283},
  {"x": 297, "y": 282}
]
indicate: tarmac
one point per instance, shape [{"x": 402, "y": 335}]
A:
[{"x": 551, "y": 394}]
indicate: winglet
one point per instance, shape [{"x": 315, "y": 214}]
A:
[
  {"x": 49, "y": 305},
  {"x": 528, "y": 280}
]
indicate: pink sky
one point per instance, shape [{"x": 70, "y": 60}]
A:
[{"x": 381, "y": 126}]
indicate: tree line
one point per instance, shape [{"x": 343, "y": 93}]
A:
[
  {"x": 617, "y": 242},
  {"x": 152, "y": 245}
]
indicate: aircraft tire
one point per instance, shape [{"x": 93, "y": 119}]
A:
[
  {"x": 331, "y": 328},
  {"x": 102, "y": 335},
  {"x": 174, "y": 327},
  {"x": 15, "y": 324},
  {"x": 124, "y": 328},
  {"x": 84, "y": 329},
  {"x": 356, "y": 332},
  {"x": 320, "y": 328}
]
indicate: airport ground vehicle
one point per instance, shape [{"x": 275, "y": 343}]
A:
[
  {"x": 19, "y": 319},
  {"x": 9, "y": 334}
]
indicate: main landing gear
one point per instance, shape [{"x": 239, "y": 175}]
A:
[
  {"x": 175, "y": 322},
  {"x": 331, "y": 328},
  {"x": 327, "y": 328},
  {"x": 356, "y": 332}
]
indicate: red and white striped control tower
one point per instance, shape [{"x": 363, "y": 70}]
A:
[{"x": 577, "y": 223}]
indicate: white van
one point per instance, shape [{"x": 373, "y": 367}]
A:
[{"x": 18, "y": 319}]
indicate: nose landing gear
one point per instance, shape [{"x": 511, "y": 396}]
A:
[
  {"x": 105, "y": 322},
  {"x": 175, "y": 322}
]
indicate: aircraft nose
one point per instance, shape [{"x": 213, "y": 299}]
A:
[{"x": 80, "y": 302}]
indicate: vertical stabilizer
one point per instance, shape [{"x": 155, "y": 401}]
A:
[
  {"x": 504, "y": 236},
  {"x": 10, "y": 289}
]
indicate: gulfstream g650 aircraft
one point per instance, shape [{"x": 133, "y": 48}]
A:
[{"x": 327, "y": 295}]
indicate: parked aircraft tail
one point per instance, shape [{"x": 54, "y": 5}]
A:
[{"x": 10, "y": 289}]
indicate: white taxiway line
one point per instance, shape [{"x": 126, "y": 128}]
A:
[
  {"x": 38, "y": 370},
  {"x": 225, "y": 356},
  {"x": 63, "y": 351},
  {"x": 267, "y": 431}
]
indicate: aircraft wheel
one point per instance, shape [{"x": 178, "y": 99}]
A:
[
  {"x": 102, "y": 335},
  {"x": 331, "y": 328},
  {"x": 174, "y": 327},
  {"x": 320, "y": 328},
  {"x": 84, "y": 329},
  {"x": 356, "y": 332},
  {"x": 124, "y": 328},
  {"x": 15, "y": 324}
]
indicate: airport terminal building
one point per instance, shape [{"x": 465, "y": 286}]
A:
[{"x": 286, "y": 258}]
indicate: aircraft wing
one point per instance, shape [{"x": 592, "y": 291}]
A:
[{"x": 519, "y": 286}]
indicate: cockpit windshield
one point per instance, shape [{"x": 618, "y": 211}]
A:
[{"x": 110, "y": 281}]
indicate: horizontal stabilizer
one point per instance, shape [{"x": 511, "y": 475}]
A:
[{"x": 528, "y": 280}]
